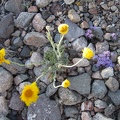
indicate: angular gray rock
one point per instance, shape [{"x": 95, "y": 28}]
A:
[
  {"x": 20, "y": 78},
  {"x": 115, "y": 97},
  {"x": 14, "y": 6},
  {"x": 69, "y": 1},
  {"x": 79, "y": 44},
  {"x": 6, "y": 80},
  {"x": 73, "y": 16},
  {"x": 83, "y": 63},
  {"x": 2, "y": 117},
  {"x": 38, "y": 72},
  {"x": 43, "y": 109},
  {"x": 68, "y": 97},
  {"x": 99, "y": 89},
  {"x": 80, "y": 83},
  {"x": 100, "y": 104},
  {"x": 71, "y": 111},
  {"x": 50, "y": 90},
  {"x": 23, "y": 19},
  {"x": 14, "y": 68},
  {"x": 109, "y": 110},
  {"x": 101, "y": 47},
  {"x": 36, "y": 59},
  {"x": 107, "y": 72},
  {"x": 3, "y": 106},
  {"x": 38, "y": 22},
  {"x": 15, "y": 102},
  {"x": 112, "y": 84},
  {"x": 74, "y": 31},
  {"x": 6, "y": 26},
  {"x": 42, "y": 3},
  {"x": 100, "y": 116},
  {"x": 35, "y": 39},
  {"x": 86, "y": 116}
]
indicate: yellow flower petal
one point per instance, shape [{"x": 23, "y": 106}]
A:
[
  {"x": 63, "y": 29},
  {"x": 87, "y": 53},
  {"x": 2, "y": 55},
  {"x": 30, "y": 94},
  {"x": 66, "y": 83}
]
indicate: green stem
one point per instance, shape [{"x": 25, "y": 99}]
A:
[
  {"x": 17, "y": 63},
  {"x": 58, "y": 46},
  {"x": 71, "y": 65}
]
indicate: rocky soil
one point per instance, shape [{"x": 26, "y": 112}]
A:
[{"x": 94, "y": 93}]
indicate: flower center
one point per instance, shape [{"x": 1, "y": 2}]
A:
[
  {"x": 28, "y": 93},
  {"x": 64, "y": 28},
  {"x": 1, "y": 58}
]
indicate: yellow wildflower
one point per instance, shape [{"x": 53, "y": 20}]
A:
[
  {"x": 88, "y": 53},
  {"x": 66, "y": 83},
  {"x": 2, "y": 57},
  {"x": 63, "y": 29},
  {"x": 30, "y": 93}
]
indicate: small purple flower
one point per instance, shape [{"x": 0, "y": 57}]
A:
[
  {"x": 103, "y": 59},
  {"x": 114, "y": 36},
  {"x": 89, "y": 34}
]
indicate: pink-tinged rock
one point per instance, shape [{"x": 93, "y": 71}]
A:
[
  {"x": 97, "y": 75},
  {"x": 93, "y": 11},
  {"x": 35, "y": 39},
  {"x": 107, "y": 36},
  {"x": 87, "y": 105},
  {"x": 38, "y": 22},
  {"x": 84, "y": 24},
  {"x": 33, "y": 9},
  {"x": 86, "y": 116}
]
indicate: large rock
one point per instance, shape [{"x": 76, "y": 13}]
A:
[
  {"x": 112, "y": 84},
  {"x": 115, "y": 97},
  {"x": 35, "y": 39},
  {"x": 2, "y": 117},
  {"x": 3, "y": 106},
  {"x": 100, "y": 116},
  {"x": 42, "y": 3},
  {"x": 15, "y": 102},
  {"x": 14, "y": 6},
  {"x": 6, "y": 26},
  {"x": 68, "y": 97},
  {"x": 74, "y": 31},
  {"x": 107, "y": 72},
  {"x": 101, "y": 47},
  {"x": 36, "y": 59},
  {"x": 69, "y": 1},
  {"x": 83, "y": 63},
  {"x": 38, "y": 72},
  {"x": 19, "y": 67},
  {"x": 73, "y": 16},
  {"x": 23, "y": 19},
  {"x": 38, "y": 22},
  {"x": 79, "y": 44},
  {"x": 99, "y": 89},
  {"x": 81, "y": 83},
  {"x": 43, "y": 109},
  {"x": 6, "y": 80}
]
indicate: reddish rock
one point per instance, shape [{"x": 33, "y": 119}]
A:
[
  {"x": 86, "y": 116},
  {"x": 33, "y": 9},
  {"x": 93, "y": 11},
  {"x": 38, "y": 22},
  {"x": 84, "y": 24},
  {"x": 87, "y": 105}
]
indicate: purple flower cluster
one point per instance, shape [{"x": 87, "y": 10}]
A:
[
  {"x": 103, "y": 59},
  {"x": 114, "y": 36},
  {"x": 89, "y": 34}
]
